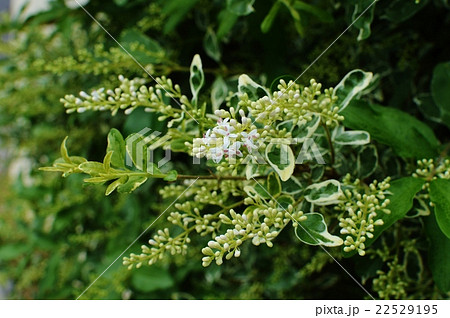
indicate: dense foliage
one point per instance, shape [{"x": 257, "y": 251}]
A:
[{"x": 273, "y": 176}]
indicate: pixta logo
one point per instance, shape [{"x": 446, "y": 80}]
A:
[{"x": 141, "y": 147}]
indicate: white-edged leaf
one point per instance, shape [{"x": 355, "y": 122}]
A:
[
  {"x": 305, "y": 129},
  {"x": 273, "y": 184},
  {"x": 251, "y": 170},
  {"x": 211, "y": 45},
  {"x": 352, "y": 137},
  {"x": 350, "y": 86},
  {"x": 63, "y": 150},
  {"x": 313, "y": 231},
  {"x": 197, "y": 77},
  {"x": 116, "y": 144},
  {"x": 131, "y": 184},
  {"x": 219, "y": 92},
  {"x": 281, "y": 159},
  {"x": 257, "y": 192},
  {"x": 324, "y": 193},
  {"x": 113, "y": 186},
  {"x": 253, "y": 90}
]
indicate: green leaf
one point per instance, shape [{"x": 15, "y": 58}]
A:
[
  {"x": 270, "y": 17},
  {"x": 292, "y": 186},
  {"x": 364, "y": 20},
  {"x": 313, "y": 231},
  {"x": 367, "y": 161},
  {"x": 92, "y": 168},
  {"x": 408, "y": 137},
  {"x": 253, "y": 90},
  {"x": 400, "y": 10},
  {"x": 219, "y": 92},
  {"x": 317, "y": 172},
  {"x": 402, "y": 195},
  {"x": 63, "y": 150},
  {"x": 273, "y": 184},
  {"x": 438, "y": 254},
  {"x": 281, "y": 159},
  {"x": 324, "y": 193},
  {"x": 320, "y": 14},
  {"x": 116, "y": 144},
  {"x": 107, "y": 161},
  {"x": 285, "y": 200},
  {"x": 295, "y": 15},
  {"x": 355, "y": 137},
  {"x": 113, "y": 185},
  {"x": 144, "y": 49},
  {"x": 211, "y": 45},
  {"x": 77, "y": 160},
  {"x": 403, "y": 192},
  {"x": 428, "y": 108},
  {"x": 350, "y": 86},
  {"x": 240, "y": 7},
  {"x": 148, "y": 279},
  {"x": 257, "y": 192},
  {"x": 440, "y": 90},
  {"x": 440, "y": 196},
  {"x": 175, "y": 11},
  {"x": 131, "y": 184},
  {"x": 100, "y": 180},
  {"x": 227, "y": 20},
  {"x": 197, "y": 77},
  {"x": 171, "y": 176}
]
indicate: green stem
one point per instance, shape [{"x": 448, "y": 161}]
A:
[
  {"x": 213, "y": 177},
  {"x": 185, "y": 176}
]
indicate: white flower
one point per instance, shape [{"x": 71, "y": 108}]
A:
[
  {"x": 224, "y": 128},
  {"x": 216, "y": 154},
  {"x": 207, "y": 138},
  {"x": 224, "y": 141},
  {"x": 249, "y": 138},
  {"x": 233, "y": 149}
]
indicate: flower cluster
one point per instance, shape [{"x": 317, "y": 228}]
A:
[
  {"x": 188, "y": 218},
  {"x": 260, "y": 224},
  {"x": 428, "y": 169},
  {"x": 100, "y": 61},
  {"x": 161, "y": 243},
  {"x": 361, "y": 213},
  {"x": 391, "y": 285},
  {"x": 292, "y": 102},
  {"x": 130, "y": 95},
  {"x": 229, "y": 139}
]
